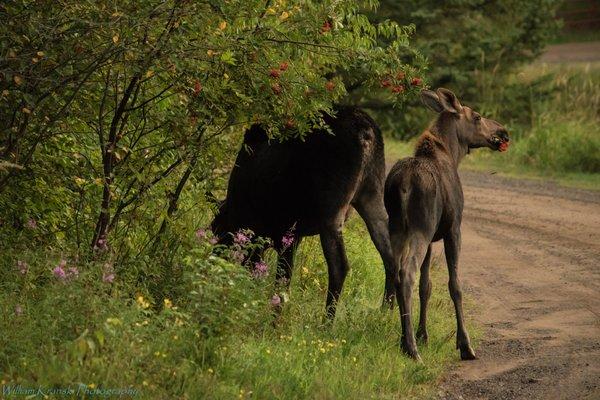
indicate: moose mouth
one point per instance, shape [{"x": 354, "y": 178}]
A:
[{"x": 500, "y": 144}]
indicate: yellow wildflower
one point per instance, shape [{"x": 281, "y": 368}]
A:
[{"x": 142, "y": 302}]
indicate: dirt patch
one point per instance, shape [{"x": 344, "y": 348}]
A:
[
  {"x": 572, "y": 52},
  {"x": 530, "y": 261}
]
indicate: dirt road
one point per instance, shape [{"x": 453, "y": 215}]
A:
[
  {"x": 571, "y": 52},
  {"x": 530, "y": 263}
]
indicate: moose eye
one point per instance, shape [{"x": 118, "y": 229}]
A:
[{"x": 477, "y": 117}]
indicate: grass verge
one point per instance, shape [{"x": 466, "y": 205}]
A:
[{"x": 214, "y": 339}]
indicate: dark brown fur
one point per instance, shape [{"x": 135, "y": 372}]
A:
[
  {"x": 309, "y": 185},
  {"x": 424, "y": 201}
]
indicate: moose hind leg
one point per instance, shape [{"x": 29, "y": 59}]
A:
[
  {"x": 332, "y": 242},
  {"x": 412, "y": 257},
  {"x": 452, "y": 250},
  {"x": 372, "y": 210},
  {"x": 424, "y": 294}
]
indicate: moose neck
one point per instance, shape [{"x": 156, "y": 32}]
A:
[{"x": 446, "y": 129}]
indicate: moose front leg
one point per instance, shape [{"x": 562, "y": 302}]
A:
[
  {"x": 337, "y": 265},
  {"x": 452, "y": 249}
]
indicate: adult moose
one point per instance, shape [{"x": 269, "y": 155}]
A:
[
  {"x": 308, "y": 186},
  {"x": 424, "y": 200}
]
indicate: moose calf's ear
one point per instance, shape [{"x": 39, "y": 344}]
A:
[
  {"x": 449, "y": 101},
  {"x": 431, "y": 100}
]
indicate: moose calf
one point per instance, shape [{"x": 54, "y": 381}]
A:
[{"x": 424, "y": 201}]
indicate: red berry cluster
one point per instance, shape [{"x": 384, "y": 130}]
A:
[
  {"x": 394, "y": 83},
  {"x": 275, "y": 73}
]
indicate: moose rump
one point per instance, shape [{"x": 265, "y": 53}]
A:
[{"x": 307, "y": 186}]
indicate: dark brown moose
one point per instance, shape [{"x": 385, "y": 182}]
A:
[
  {"x": 424, "y": 201},
  {"x": 306, "y": 187}
]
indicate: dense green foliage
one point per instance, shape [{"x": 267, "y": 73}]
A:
[
  {"x": 107, "y": 105},
  {"x": 472, "y": 46}
]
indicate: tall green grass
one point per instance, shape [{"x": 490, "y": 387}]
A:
[{"x": 214, "y": 337}]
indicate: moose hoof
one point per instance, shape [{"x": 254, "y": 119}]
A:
[
  {"x": 412, "y": 353},
  {"x": 467, "y": 353}
]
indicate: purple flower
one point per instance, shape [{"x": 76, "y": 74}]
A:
[
  {"x": 260, "y": 269},
  {"x": 287, "y": 240},
  {"x": 22, "y": 266},
  {"x": 275, "y": 300},
  {"x": 240, "y": 238},
  {"x": 31, "y": 223},
  {"x": 59, "y": 272},
  {"x": 201, "y": 233},
  {"x": 18, "y": 310}
]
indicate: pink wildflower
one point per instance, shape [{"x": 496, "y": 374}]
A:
[
  {"x": 260, "y": 269},
  {"x": 101, "y": 244},
  {"x": 275, "y": 300},
  {"x": 201, "y": 233},
  {"x": 31, "y": 223},
  {"x": 241, "y": 238},
  {"x": 287, "y": 240},
  {"x": 59, "y": 271}
]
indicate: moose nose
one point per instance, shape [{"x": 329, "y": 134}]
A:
[{"x": 503, "y": 134}]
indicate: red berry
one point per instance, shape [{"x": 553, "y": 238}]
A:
[
  {"x": 398, "y": 89},
  {"x": 330, "y": 85},
  {"x": 276, "y": 87},
  {"x": 416, "y": 81},
  {"x": 290, "y": 123},
  {"x": 274, "y": 73},
  {"x": 386, "y": 82},
  {"x": 197, "y": 87},
  {"x": 283, "y": 66},
  {"x": 326, "y": 27}
]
